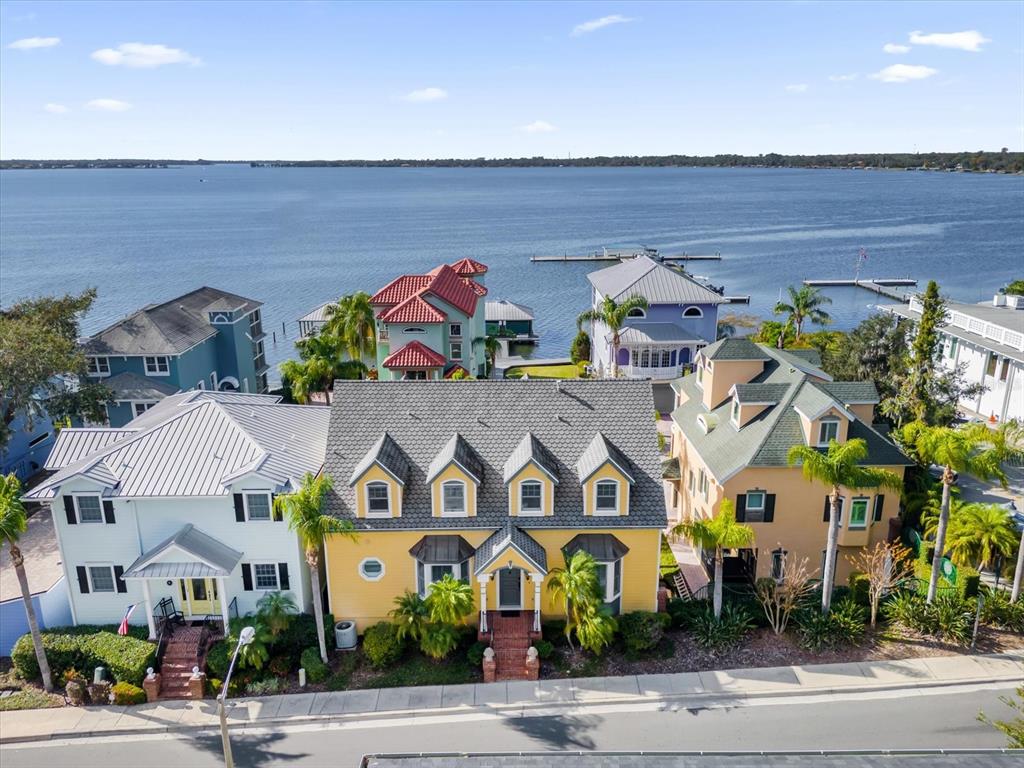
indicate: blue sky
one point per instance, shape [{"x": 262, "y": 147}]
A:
[{"x": 307, "y": 80}]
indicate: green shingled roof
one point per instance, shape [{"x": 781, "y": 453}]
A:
[{"x": 734, "y": 349}]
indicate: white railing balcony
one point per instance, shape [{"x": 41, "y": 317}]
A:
[{"x": 641, "y": 372}]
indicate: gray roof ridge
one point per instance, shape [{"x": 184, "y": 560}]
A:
[{"x": 779, "y": 409}]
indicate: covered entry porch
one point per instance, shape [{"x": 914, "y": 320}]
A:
[{"x": 510, "y": 569}]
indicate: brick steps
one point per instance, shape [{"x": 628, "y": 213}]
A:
[{"x": 185, "y": 650}]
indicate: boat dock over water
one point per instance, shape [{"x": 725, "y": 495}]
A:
[
  {"x": 606, "y": 254},
  {"x": 880, "y": 285}
]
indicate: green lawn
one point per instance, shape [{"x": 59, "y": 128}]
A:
[
  {"x": 668, "y": 560},
  {"x": 567, "y": 371}
]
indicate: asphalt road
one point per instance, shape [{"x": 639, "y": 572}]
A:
[{"x": 909, "y": 720}]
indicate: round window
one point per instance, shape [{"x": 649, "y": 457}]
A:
[{"x": 371, "y": 569}]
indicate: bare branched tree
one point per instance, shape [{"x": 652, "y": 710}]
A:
[
  {"x": 779, "y": 598},
  {"x": 886, "y": 565}
]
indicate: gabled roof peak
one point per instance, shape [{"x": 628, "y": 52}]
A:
[
  {"x": 602, "y": 451},
  {"x": 530, "y": 449},
  {"x": 387, "y": 454},
  {"x": 457, "y": 451}
]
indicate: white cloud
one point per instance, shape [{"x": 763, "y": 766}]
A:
[
  {"x": 29, "y": 43},
  {"x": 108, "y": 105},
  {"x": 55, "y": 109},
  {"x": 797, "y": 87},
  {"x": 904, "y": 73},
  {"x": 426, "y": 94},
  {"x": 144, "y": 56},
  {"x": 896, "y": 48},
  {"x": 538, "y": 126},
  {"x": 969, "y": 40},
  {"x": 843, "y": 78},
  {"x": 595, "y": 24}
]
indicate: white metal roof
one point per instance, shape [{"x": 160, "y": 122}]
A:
[
  {"x": 643, "y": 276},
  {"x": 75, "y": 444},
  {"x": 503, "y": 309}
]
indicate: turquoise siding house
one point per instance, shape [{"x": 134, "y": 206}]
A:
[
  {"x": 206, "y": 339},
  {"x": 27, "y": 450}
]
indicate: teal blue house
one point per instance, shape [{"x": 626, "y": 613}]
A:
[{"x": 206, "y": 339}]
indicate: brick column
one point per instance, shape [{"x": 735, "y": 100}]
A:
[
  {"x": 490, "y": 666},
  {"x": 151, "y": 685},
  {"x": 532, "y": 664},
  {"x": 197, "y": 684}
]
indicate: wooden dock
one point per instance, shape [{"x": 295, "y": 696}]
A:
[
  {"x": 880, "y": 285},
  {"x": 736, "y": 299},
  {"x": 619, "y": 255}
]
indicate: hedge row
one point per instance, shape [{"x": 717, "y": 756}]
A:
[{"x": 84, "y": 648}]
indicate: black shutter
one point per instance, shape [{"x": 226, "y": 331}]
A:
[
  {"x": 239, "y": 509},
  {"x": 769, "y": 507},
  {"x": 69, "y": 510},
  {"x": 828, "y": 508},
  {"x": 121, "y": 586},
  {"x": 741, "y": 508},
  {"x": 108, "y": 512},
  {"x": 246, "y": 577},
  {"x": 83, "y": 580},
  {"x": 879, "y": 503},
  {"x": 282, "y": 577},
  {"x": 278, "y": 517}
]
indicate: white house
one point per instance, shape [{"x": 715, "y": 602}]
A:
[
  {"x": 988, "y": 341},
  {"x": 177, "y": 505}
]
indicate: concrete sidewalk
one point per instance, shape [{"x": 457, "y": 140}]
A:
[{"x": 514, "y": 698}]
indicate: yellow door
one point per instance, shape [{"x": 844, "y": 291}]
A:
[{"x": 200, "y": 597}]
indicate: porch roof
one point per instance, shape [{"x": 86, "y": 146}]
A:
[
  {"x": 442, "y": 549},
  {"x": 510, "y": 537},
  {"x": 604, "y": 547},
  {"x": 206, "y": 556},
  {"x": 657, "y": 333}
]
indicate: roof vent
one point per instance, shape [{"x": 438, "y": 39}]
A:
[{"x": 707, "y": 422}]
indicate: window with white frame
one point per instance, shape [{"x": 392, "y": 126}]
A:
[
  {"x": 954, "y": 342},
  {"x": 755, "y": 507},
  {"x": 606, "y": 497},
  {"x": 158, "y": 366},
  {"x": 858, "y": 513},
  {"x": 693, "y": 312},
  {"x": 455, "y": 330},
  {"x": 255, "y": 324},
  {"x": 778, "y": 564},
  {"x": 700, "y": 374},
  {"x": 139, "y": 408},
  {"x": 736, "y": 411},
  {"x": 430, "y": 573},
  {"x": 257, "y": 505},
  {"x": 691, "y": 485},
  {"x": 637, "y": 312},
  {"x": 666, "y": 358},
  {"x": 530, "y": 497},
  {"x": 413, "y": 330},
  {"x": 453, "y": 498},
  {"x": 97, "y": 366},
  {"x": 265, "y": 575},
  {"x": 101, "y": 578},
  {"x": 89, "y": 508},
  {"x": 372, "y": 569},
  {"x": 828, "y": 430},
  {"x": 456, "y": 351},
  {"x": 378, "y": 499},
  {"x": 609, "y": 583}
]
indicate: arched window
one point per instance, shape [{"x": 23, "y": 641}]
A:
[
  {"x": 378, "y": 499},
  {"x": 693, "y": 312},
  {"x": 453, "y": 497},
  {"x": 637, "y": 312},
  {"x": 413, "y": 330}
]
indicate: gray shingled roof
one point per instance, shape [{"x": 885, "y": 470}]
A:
[
  {"x": 598, "y": 453},
  {"x": 760, "y": 393},
  {"x": 388, "y": 455},
  {"x": 503, "y": 309},
  {"x": 169, "y": 328},
  {"x": 493, "y": 417},
  {"x": 643, "y": 276},
  {"x": 604, "y": 547},
  {"x": 848, "y": 392},
  {"x": 441, "y": 548},
  {"x": 734, "y": 349},
  {"x": 510, "y": 534},
  {"x": 456, "y": 451},
  {"x": 131, "y": 386},
  {"x": 530, "y": 449},
  {"x": 220, "y": 558}
]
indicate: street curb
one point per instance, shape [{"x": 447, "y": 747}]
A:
[{"x": 700, "y": 700}]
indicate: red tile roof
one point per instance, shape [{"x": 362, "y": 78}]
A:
[
  {"x": 467, "y": 267},
  {"x": 414, "y": 355},
  {"x": 448, "y": 286},
  {"x": 477, "y": 288},
  {"x": 443, "y": 282},
  {"x": 400, "y": 289},
  {"x": 413, "y": 310}
]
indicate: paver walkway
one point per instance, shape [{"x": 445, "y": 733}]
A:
[{"x": 515, "y": 697}]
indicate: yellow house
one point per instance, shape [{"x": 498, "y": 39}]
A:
[
  {"x": 734, "y": 421},
  {"x": 495, "y": 483}
]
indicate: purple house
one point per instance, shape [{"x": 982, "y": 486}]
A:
[{"x": 661, "y": 342}]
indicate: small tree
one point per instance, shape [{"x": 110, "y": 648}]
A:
[
  {"x": 411, "y": 616},
  {"x": 781, "y": 598},
  {"x": 805, "y": 303},
  {"x": 614, "y": 316},
  {"x": 575, "y": 586},
  {"x": 450, "y": 600},
  {"x": 579, "y": 351},
  {"x": 275, "y": 609},
  {"x": 886, "y": 565},
  {"x": 595, "y": 627}
]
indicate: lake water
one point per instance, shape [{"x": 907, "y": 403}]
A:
[{"x": 296, "y": 237}]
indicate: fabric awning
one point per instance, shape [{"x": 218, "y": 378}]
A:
[
  {"x": 442, "y": 549},
  {"x": 603, "y": 547}
]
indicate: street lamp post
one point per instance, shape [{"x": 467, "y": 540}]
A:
[{"x": 244, "y": 638}]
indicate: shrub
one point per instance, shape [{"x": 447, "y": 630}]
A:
[
  {"x": 725, "y": 631},
  {"x": 126, "y": 693},
  {"x": 968, "y": 582},
  {"x": 300, "y": 634},
  {"x": 382, "y": 645},
  {"x": 950, "y": 617},
  {"x": 684, "y": 612},
  {"x": 217, "y": 660},
  {"x": 439, "y": 640},
  {"x": 554, "y": 631},
  {"x": 998, "y": 611},
  {"x": 265, "y": 687},
  {"x": 859, "y": 587},
  {"x": 316, "y": 670},
  {"x": 475, "y": 654},
  {"x": 280, "y": 666},
  {"x": 843, "y": 625},
  {"x": 750, "y": 604},
  {"x": 642, "y": 630},
  {"x": 544, "y": 649},
  {"x": 126, "y": 657}
]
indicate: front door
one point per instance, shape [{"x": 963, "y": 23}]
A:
[
  {"x": 510, "y": 589},
  {"x": 200, "y": 597}
]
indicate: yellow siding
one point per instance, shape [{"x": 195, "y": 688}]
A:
[
  {"x": 547, "y": 494},
  {"x": 453, "y": 472},
  {"x": 607, "y": 472},
  {"x": 374, "y": 473}
]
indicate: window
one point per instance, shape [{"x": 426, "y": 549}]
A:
[
  {"x": 609, "y": 583},
  {"x": 139, "y": 408},
  {"x": 158, "y": 366},
  {"x": 692, "y": 485},
  {"x": 700, "y": 374},
  {"x": 637, "y": 312},
  {"x": 259, "y": 360},
  {"x": 827, "y": 431},
  {"x": 378, "y": 499},
  {"x": 736, "y": 411},
  {"x": 265, "y": 575},
  {"x": 415, "y": 376},
  {"x": 778, "y": 564},
  {"x": 530, "y": 497},
  {"x": 37, "y": 440},
  {"x": 372, "y": 569},
  {"x": 213, "y": 380},
  {"x": 97, "y": 366},
  {"x": 455, "y": 329},
  {"x": 1005, "y": 370},
  {"x": 429, "y": 573},
  {"x": 257, "y": 506},
  {"x": 413, "y": 330},
  {"x": 953, "y": 343},
  {"x": 666, "y": 358},
  {"x": 606, "y": 497},
  {"x": 453, "y": 498},
  {"x": 993, "y": 361},
  {"x": 703, "y": 484},
  {"x": 101, "y": 578},
  {"x": 859, "y": 513},
  {"x": 645, "y": 359},
  {"x": 255, "y": 324},
  {"x": 456, "y": 349},
  {"x": 90, "y": 509},
  {"x": 693, "y": 312},
  {"x": 755, "y": 507}
]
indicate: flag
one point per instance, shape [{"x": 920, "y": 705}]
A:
[
  {"x": 123, "y": 629},
  {"x": 863, "y": 254}
]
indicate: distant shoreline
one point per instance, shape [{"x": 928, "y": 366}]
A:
[{"x": 977, "y": 162}]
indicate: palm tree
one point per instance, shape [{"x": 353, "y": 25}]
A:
[
  {"x": 450, "y": 600},
  {"x": 805, "y": 303},
  {"x": 275, "y": 609},
  {"x": 719, "y": 533},
  {"x": 595, "y": 627},
  {"x": 352, "y": 321},
  {"x": 13, "y": 523},
  {"x": 839, "y": 467},
  {"x": 576, "y": 587},
  {"x": 979, "y": 533},
  {"x": 491, "y": 348},
  {"x": 612, "y": 315},
  {"x": 968, "y": 449},
  {"x": 411, "y": 616},
  {"x": 303, "y": 509},
  {"x": 308, "y": 376}
]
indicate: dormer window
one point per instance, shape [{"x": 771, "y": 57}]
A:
[
  {"x": 453, "y": 493},
  {"x": 530, "y": 497},
  {"x": 828, "y": 431},
  {"x": 736, "y": 411},
  {"x": 257, "y": 505},
  {"x": 606, "y": 497},
  {"x": 90, "y": 509},
  {"x": 378, "y": 500}
]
